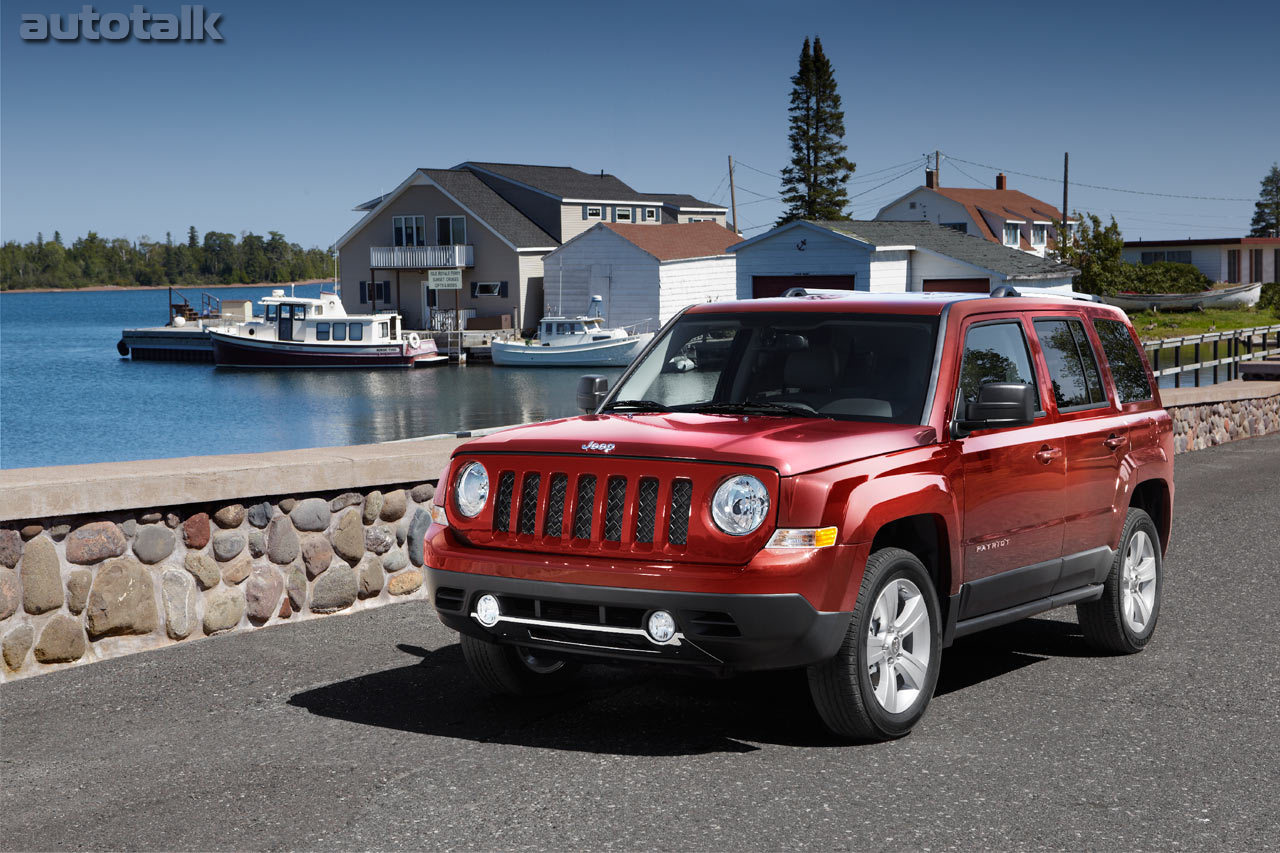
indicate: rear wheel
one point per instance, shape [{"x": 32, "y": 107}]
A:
[
  {"x": 878, "y": 685},
  {"x": 1124, "y": 618},
  {"x": 514, "y": 670}
]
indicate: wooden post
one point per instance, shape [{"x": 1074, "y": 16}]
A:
[
  {"x": 1066, "y": 161},
  {"x": 733, "y": 199}
]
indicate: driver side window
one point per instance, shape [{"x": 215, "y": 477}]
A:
[{"x": 994, "y": 352}]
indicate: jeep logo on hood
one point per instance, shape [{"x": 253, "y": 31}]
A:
[{"x": 599, "y": 447}]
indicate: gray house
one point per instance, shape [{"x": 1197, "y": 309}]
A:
[
  {"x": 887, "y": 257},
  {"x": 469, "y": 242}
]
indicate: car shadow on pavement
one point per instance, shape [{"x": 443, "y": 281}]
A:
[
  {"x": 999, "y": 651},
  {"x": 642, "y": 710}
]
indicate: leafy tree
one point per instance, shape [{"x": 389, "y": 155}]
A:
[
  {"x": 813, "y": 185},
  {"x": 1266, "y": 212},
  {"x": 1096, "y": 250},
  {"x": 91, "y": 260}
]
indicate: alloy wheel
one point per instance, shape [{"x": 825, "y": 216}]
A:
[
  {"x": 1138, "y": 576},
  {"x": 898, "y": 646}
]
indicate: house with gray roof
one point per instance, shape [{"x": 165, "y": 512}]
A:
[
  {"x": 887, "y": 257},
  {"x": 469, "y": 241}
]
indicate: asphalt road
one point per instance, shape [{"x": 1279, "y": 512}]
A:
[{"x": 364, "y": 731}]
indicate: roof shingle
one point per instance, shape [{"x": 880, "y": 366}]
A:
[
  {"x": 561, "y": 181},
  {"x": 492, "y": 208},
  {"x": 675, "y": 242},
  {"x": 969, "y": 248}
]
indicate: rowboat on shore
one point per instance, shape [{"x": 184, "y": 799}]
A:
[
  {"x": 1240, "y": 296},
  {"x": 304, "y": 332}
]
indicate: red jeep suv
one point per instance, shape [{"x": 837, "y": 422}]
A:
[{"x": 843, "y": 483}]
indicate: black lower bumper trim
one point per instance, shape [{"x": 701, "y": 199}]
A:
[{"x": 722, "y": 632}]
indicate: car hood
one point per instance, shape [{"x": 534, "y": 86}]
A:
[{"x": 788, "y": 445}]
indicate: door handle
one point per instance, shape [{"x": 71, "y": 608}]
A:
[
  {"x": 1047, "y": 454},
  {"x": 1114, "y": 441}
]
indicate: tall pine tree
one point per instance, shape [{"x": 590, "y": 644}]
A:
[
  {"x": 813, "y": 185},
  {"x": 1266, "y": 212}
]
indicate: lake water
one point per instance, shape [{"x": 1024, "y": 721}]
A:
[{"x": 66, "y": 397}]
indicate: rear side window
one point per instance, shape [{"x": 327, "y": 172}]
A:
[
  {"x": 994, "y": 352},
  {"x": 1127, "y": 369},
  {"x": 1073, "y": 369}
]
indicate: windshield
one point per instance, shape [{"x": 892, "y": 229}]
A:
[{"x": 866, "y": 367}]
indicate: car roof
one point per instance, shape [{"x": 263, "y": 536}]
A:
[{"x": 922, "y": 304}]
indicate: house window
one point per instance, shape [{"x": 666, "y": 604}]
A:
[
  {"x": 451, "y": 230},
  {"x": 1011, "y": 234},
  {"x": 1178, "y": 257},
  {"x": 1038, "y": 234},
  {"x": 911, "y": 205},
  {"x": 488, "y": 288},
  {"x": 379, "y": 292},
  {"x": 700, "y": 219},
  {"x": 322, "y": 331},
  {"x": 1255, "y": 265},
  {"x": 1233, "y": 266},
  {"x": 962, "y": 227},
  {"x": 622, "y": 214},
  {"x": 651, "y": 214},
  {"x": 339, "y": 331},
  {"x": 593, "y": 212},
  {"x": 408, "y": 231}
]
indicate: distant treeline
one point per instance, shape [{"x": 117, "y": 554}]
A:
[{"x": 220, "y": 258}]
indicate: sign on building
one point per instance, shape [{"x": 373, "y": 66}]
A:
[{"x": 444, "y": 279}]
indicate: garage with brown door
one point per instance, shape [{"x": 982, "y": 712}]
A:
[
  {"x": 956, "y": 285},
  {"x": 764, "y": 286}
]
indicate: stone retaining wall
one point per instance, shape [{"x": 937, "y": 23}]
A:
[
  {"x": 82, "y": 588},
  {"x": 1200, "y": 425}
]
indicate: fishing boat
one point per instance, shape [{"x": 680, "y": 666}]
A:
[
  {"x": 581, "y": 341},
  {"x": 1239, "y": 296},
  {"x": 296, "y": 331}
]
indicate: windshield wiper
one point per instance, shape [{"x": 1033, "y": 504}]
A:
[
  {"x": 637, "y": 405},
  {"x": 752, "y": 407}
]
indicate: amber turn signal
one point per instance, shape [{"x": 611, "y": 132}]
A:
[{"x": 803, "y": 537}]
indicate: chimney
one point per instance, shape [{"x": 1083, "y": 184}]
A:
[
  {"x": 1000, "y": 182},
  {"x": 931, "y": 179}
]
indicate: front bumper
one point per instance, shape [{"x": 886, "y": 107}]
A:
[{"x": 724, "y": 632}]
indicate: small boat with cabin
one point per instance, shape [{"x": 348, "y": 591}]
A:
[
  {"x": 297, "y": 331},
  {"x": 581, "y": 341}
]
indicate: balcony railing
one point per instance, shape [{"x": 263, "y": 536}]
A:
[{"x": 421, "y": 257}]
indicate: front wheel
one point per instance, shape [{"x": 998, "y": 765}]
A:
[
  {"x": 514, "y": 670},
  {"x": 1124, "y": 618},
  {"x": 881, "y": 680}
]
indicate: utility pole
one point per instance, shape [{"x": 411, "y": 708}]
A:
[
  {"x": 733, "y": 199},
  {"x": 1066, "y": 160},
  {"x": 937, "y": 168}
]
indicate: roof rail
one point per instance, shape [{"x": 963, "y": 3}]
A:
[{"x": 1003, "y": 290}]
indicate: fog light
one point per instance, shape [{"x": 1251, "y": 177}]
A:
[
  {"x": 487, "y": 612},
  {"x": 661, "y": 626}
]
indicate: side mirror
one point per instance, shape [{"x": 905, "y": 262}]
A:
[
  {"x": 1000, "y": 405},
  {"x": 592, "y": 390}
]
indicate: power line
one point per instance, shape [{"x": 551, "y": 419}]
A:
[
  {"x": 754, "y": 169},
  {"x": 886, "y": 183},
  {"x": 1098, "y": 186}
]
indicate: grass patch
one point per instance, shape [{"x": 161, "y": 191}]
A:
[{"x": 1153, "y": 326}]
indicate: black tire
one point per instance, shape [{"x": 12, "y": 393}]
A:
[
  {"x": 514, "y": 671},
  {"x": 1103, "y": 622},
  {"x": 842, "y": 687}
]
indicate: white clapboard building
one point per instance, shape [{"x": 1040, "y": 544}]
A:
[{"x": 642, "y": 273}]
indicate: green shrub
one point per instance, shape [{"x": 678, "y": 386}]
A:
[
  {"x": 1167, "y": 277},
  {"x": 1270, "y": 297}
]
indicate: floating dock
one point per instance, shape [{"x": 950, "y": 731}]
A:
[{"x": 167, "y": 343}]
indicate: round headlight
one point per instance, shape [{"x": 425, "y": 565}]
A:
[
  {"x": 740, "y": 505},
  {"x": 472, "y": 489}
]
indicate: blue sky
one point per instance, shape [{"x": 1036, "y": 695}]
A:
[{"x": 303, "y": 111}]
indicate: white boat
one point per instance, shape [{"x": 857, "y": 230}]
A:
[
  {"x": 1240, "y": 296},
  {"x": 297, "y": 331},
  {"x": 580, "y": 341}
]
